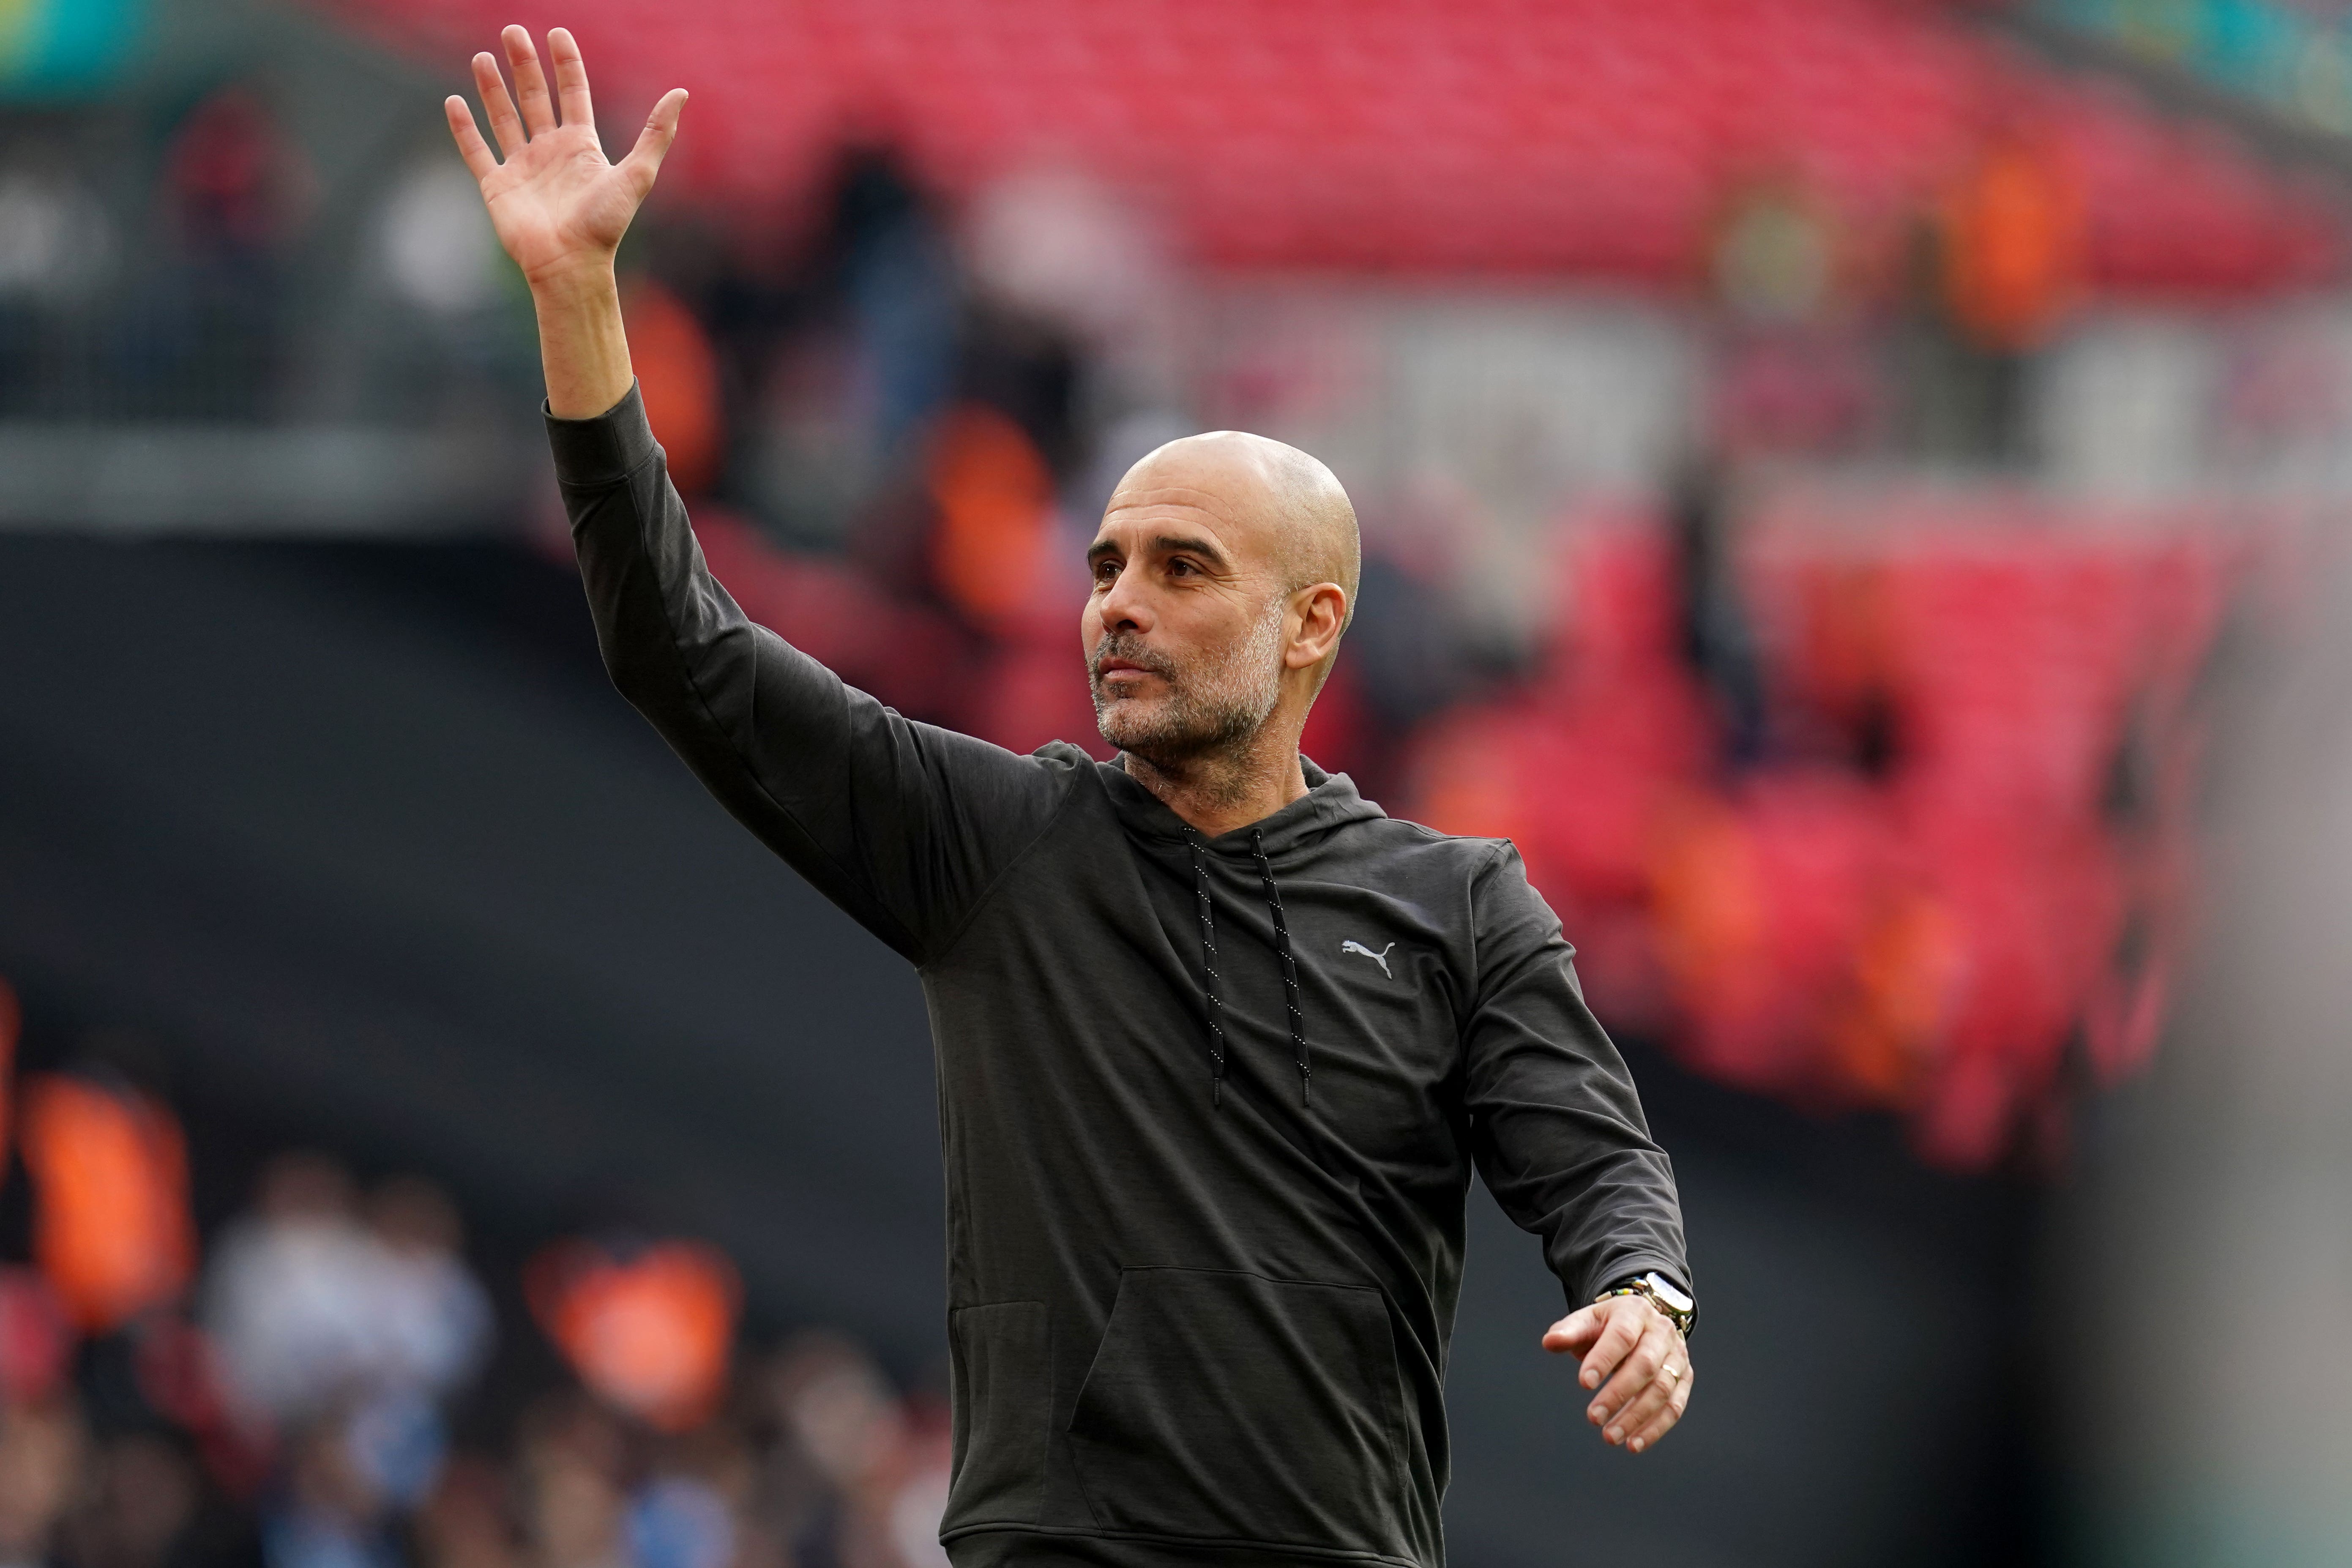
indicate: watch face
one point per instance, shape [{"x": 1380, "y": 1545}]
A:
[{"x": 1664, "y": 1287}]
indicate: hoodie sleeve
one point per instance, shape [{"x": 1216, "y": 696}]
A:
[
  {"x": 902, "y": 824},
  {"x": 1555, "y": 1128}
]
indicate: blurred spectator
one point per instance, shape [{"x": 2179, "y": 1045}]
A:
[
  {"x": 684, "y": 1515},
  {"x": 571, "y": 1462},
  {"x": 437, "y": 249},
  {"x": 1058, "y": 246},
  {"x": 327, "y": 1513},
  {"x": 994, "y": 500},
  {"x": 348, "y": 1330},
  {"x": 235, "y": 187},
  {"x": 898, "y": 275},
  {"x": 2014, "y": 244},
  {"x": 677, "y": 374},
  {"x": 57, "y": 243},
  {"x": 111, "y": 1223},
  {"x": 234, "y": 192},
  {"x": 434, "y": 1314},
  {"x": 1776, "y": 255},
  {"x": 41, "y": 1448},
  {"x": 1988, "y": 276},
  {"x": 1716, "y": 637},
  {"x": 37, "y": 1343},
  {"x": 650, "y": 1327},
  {"x": 139, "y": 1506},
  {"x": 466, "y": 1522},
  {"x": 289, "y": 1293},
  {"x": 839, "y": 1411}
]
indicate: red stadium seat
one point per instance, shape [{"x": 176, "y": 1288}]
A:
[{"x": 1484, "y": 134}]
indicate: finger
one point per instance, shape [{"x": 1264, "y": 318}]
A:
[
  {"x": 530, "y": 82},
  {"x": 1664, "y": 1421},
  {"x": 505, "y": 125},
  {"x": 1616, "y": 1344},
  {"x": 1632, "y": 1375},
  {"x": 570, "y": 78},
  {"x": 1574, "y": 1332},
  {"x": 1640, "y": 1388},
  {"x": 645, "y": 159},
  {"x": 479, "y": 160}
]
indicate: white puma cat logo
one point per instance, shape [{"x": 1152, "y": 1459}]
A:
[{"x": 1380, "y": 958}]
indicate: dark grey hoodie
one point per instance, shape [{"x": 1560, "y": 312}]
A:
[{"x": 1209, "y": 1106}]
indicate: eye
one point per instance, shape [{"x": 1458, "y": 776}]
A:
[
  {"x": 1180, "y": 567},
  {"x": 1105, "y": 572}
]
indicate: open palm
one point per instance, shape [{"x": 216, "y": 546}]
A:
[{"x": 557, "y": 204}]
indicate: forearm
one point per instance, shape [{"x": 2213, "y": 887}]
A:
[
  {"x": 1557, "y": 1126},
  {"x": 584, "y": 347}
]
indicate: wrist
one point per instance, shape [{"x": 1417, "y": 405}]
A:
[
  {"x": 586, "y": 280},
  {"x": 1670, "y": 1301}
]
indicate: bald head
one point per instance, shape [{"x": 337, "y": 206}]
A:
[
  {"x": 1271, "y": 498},
  {"x": 1225, "y": 572}
]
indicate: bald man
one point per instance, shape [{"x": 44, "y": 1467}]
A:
[{"x": 1218, "y": 1043}]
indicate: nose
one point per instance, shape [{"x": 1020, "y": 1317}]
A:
[{"x": 1123, "y": 606}]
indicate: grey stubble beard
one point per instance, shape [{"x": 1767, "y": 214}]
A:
[{"x": 1206, "y": 729}]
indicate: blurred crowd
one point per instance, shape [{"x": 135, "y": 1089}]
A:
[
  {"x": 325, "y": 1380},
  {"x": 210, "y": 273},
  {"x": 1852, "y": 791},
  {"x": 1880, "y": 801}
]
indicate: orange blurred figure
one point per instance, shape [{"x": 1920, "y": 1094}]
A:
[
  {"x": 677, "y": 375},
  {"x": 651, "y": 1332},
  {"x": 111, "y": 1223},
  {"x": 995, "y": 499},
  {"x": 2014, "y": 240}
]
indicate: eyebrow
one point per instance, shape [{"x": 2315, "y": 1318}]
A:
[{"x": 1165, "y": 544}]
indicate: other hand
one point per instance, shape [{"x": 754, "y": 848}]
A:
[
  {"x": 1626, "y": 1343},
  {"x": 559, "y": 207}
]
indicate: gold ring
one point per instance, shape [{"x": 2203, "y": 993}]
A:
[{"x": 1673, "y": 1370}]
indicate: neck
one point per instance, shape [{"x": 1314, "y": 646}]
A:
[{"x": 1222, "y": 791}]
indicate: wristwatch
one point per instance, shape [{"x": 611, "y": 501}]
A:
[{"x": 1664, "y": 1294}]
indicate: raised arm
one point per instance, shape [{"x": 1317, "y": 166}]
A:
[{"x": 901, "y": 824}]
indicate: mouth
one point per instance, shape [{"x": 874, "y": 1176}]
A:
[{"x": 1120, "y": 670}]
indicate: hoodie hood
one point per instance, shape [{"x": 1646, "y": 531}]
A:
[{"x": 1330, "y": 803}]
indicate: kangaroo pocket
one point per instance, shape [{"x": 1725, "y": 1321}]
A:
[{"x": 1229, "y": 1406}]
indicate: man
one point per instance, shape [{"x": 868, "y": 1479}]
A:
[{"x": 1218, "y": 1042}]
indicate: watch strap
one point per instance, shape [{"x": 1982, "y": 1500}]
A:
[{"x": 1685, "y": 1317}]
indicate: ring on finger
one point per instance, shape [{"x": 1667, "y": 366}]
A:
[{"x": 1673, "y": 1372}]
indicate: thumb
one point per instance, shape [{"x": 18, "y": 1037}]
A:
[
  {"x": 645, "y": 159},
  {"x": 1576, "y": 1333}
]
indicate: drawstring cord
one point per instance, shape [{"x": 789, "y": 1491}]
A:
[
  {"x": 1215, "y": 1004},
  {"x": 1290, "y": 966}
]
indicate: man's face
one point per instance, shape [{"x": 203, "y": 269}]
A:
[{"x": 1184, "y": 627}]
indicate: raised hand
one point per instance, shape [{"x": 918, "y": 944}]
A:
[
  {"x": 559, "y": 206},
  {"x": 1635, "y": 1349}
]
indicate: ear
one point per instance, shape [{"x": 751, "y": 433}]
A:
[{"x": 1320, "y": 612}]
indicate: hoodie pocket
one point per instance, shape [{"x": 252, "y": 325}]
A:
[
  {"x": 1230, "y": 1406},
  {"x": 1001, "y": 1363}
]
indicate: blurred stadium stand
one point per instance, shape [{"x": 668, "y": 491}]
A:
[{"x": 1487, "y": 136}]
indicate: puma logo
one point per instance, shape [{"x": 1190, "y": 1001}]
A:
[{"x": 1380, "y": 958}]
